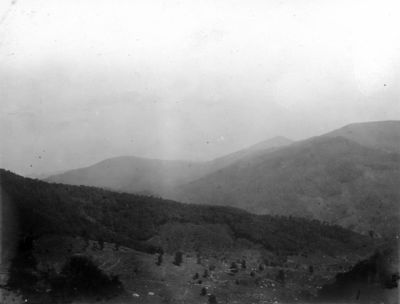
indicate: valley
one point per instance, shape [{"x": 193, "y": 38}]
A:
[{"x": 199, "y": 152}]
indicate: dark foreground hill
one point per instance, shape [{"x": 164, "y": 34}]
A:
[
  {"x": 149, "y": 249},
  {"x": 134, "y": 220},
  {"x": 363, "y": 283}
]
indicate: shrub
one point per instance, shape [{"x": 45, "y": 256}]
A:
[
  {"x": 212, "y": 299},
  {"x": 81, "y": 277}
]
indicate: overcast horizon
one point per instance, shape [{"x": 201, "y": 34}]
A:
[{"x": 82, "y": 81}]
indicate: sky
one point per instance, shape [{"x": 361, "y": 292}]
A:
[{"x": 81, "y": 81}]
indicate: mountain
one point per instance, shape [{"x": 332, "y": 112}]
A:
[
  {"x": 86, "y": 244},
  {"x": 383, "y": 135},
  {"x": 348, "y": 177},
  {"x": 134, "y": 174},
  {"x": 152, "y": 176},
  {"x": 44, "y": 175}
]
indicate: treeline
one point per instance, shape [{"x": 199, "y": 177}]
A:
[{"x": 132, "y": 220}]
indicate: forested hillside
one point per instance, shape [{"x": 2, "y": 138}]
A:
[{"x": 133, "y": 220}]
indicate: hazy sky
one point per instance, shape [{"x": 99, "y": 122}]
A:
[{"x": 85, "y": 80}]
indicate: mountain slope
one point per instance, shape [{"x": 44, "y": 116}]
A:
[
  {"x": 327, "y": 178},
  {"x": 260, "y": 148},
  {"x": 152, "y": 176},
  {"x": 266, "y": 146},
  {"x": 383, "y": 135}
]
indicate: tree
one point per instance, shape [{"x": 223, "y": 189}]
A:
[
  {"x": 178, "y": 258},
  {"x": 203, "y": 291},
  {"x": 159, "y": 259},
  {"x": 234, "y": 268},
  {"x": 281, "y": 277}
]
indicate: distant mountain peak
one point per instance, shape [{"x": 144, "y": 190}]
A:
[{"x": 383, "y": 135}]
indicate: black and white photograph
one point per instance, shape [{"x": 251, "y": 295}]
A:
[{"x": 199, "y": 151}]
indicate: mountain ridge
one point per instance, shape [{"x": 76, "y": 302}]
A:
[
  {"x": 384, "y": 135},
  {"x": 327, "y": 177},
  {"x": 308, "y": 179},
  {"x": 135, "y": 174}
]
